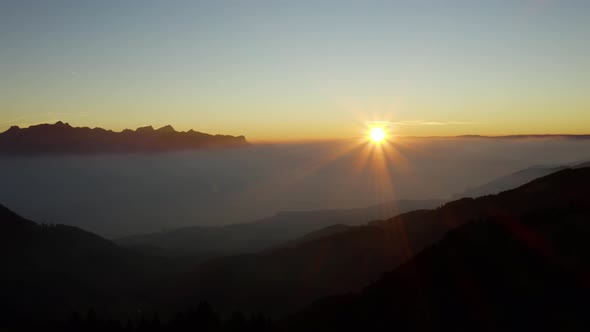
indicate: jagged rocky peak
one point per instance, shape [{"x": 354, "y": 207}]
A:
[
  {"x": 62, "y": 124},
  {"x": 145, "y": 129},
  {"x": 62, "y": 138},
  {"x": 167, "y": 129}
]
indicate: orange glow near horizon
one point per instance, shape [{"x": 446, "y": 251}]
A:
[{"x": 375, "y": 152}]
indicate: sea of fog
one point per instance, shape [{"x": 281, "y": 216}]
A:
[{"x": 115, "y": 195}]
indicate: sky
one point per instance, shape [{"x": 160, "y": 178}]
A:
[{"x": 296, "y": 70}]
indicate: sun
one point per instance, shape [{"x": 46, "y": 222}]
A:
[{"x": 377, "y": 134}]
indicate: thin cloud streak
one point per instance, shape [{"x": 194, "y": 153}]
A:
[{"x": 422, "y": 123}]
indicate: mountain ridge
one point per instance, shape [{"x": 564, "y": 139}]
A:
[
  {"x": 349, "y": 259},
  {"x": 523, "y": 265},
  {"x": 517, "y": 179},
  {"x": 265, "y": 233},
  {"x": 51, "y": 270},
  {"x": 62, "y": 138}
]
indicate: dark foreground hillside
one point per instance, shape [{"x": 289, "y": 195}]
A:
[
  {"x": 515, "y": 261},
  {"x": 50, "y": 271},
  {"x": 202, "y": 242},
  {"x": 523, "y": 266}
]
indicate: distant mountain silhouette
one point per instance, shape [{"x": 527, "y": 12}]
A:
[
  {"x": 518, "y": 260},
  {"x": 324, "y": 232},
  {"x": 520, "y": 264},
  {"x": 510, "y": 181},
  {"x": 516, "y": 179},
  {"x": 52, "y": 270},
  {"x": 352, "y": 258},
  {"x": 61, "y": 138},
  {"x": 201, "y": 242},
  {"x": 332, "y": 263}
]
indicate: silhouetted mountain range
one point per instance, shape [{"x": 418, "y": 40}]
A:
[
  {"x": 60, "y": 138},
  {"x": 52, "y": 270},
  {"x": 201, "y": 242},
  {"x": 521, "y": 264},
  {"x": 513, "y": 261},
  {"x": 516, "y": 179},
  {"x": 352, "y": 258}
]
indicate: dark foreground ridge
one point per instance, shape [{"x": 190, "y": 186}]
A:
[
  {"x": 61, "y": 138},
  {"x": 520, "y": 264},
  {"x": 515, "y": 261}
]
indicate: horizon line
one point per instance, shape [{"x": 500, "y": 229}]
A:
[{"x": 328, "y": 139}]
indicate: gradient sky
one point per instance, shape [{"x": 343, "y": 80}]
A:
[{"x": 274, "y": 70}]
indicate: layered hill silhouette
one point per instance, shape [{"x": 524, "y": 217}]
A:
[
  {"x": 50, "y": 271},
  {"x": 516, "y": 179},
  {"x": 61, "y": 138},
  {"x": 281, "y": 280},
  {"x": 520, "y": 264},
  {"x": 513, "y": 261},
  {"x": 510, "y": 181},
  {"x": 202, "y": 242}
]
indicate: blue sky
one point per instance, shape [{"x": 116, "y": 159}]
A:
[{"x": 298, "y": 69}]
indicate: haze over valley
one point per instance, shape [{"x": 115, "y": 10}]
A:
[
  {"x": 294, "y": 166},
  {"x": 124, "y": 194}
]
